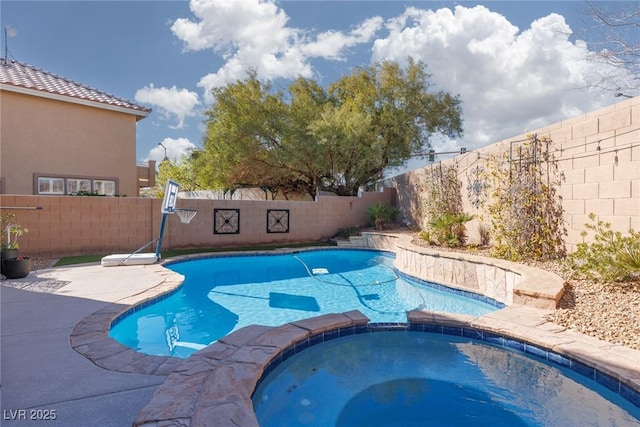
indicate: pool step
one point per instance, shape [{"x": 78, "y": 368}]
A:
[{"x": 353, "y": 241}]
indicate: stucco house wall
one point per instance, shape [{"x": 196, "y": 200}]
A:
[
  {"x": 44, "y": 137},
  {"x": 58, "y": 136}
]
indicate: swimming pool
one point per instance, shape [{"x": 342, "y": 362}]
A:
[
  {"x": 225, "y": 293},
  {"x": 416, "y": 379}
]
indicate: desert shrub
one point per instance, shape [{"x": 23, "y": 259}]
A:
[
  {"x": 10, "y": 231},
  {"x": 628, "y": 258},
  {"x": 381, "y": 215},
  {"x": 443, "y": 192},
  {"x": 485, "y": 235},
  {"x": 443, "y": 207},
  {"x": 425, "y": 235},
  {"x": 611, "y": 257},
  {"x": 347, "y": 232},
  {"x": 449, "y": 230}
]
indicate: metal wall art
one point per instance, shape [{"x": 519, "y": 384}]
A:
[
  {"x": 226, "y": 221},
  {"x": 476, "y": 186},
  {"x": 277, "y": 220}
]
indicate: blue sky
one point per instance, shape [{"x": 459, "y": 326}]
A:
[{"x": 517, "y": 65}]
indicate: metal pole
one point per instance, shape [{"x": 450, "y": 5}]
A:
[
  {"x": 36, "y": 208},
  {"x": 159, "y": 245}
]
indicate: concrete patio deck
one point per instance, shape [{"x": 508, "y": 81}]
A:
[
  {"x": 52, "y": 316},
  {"x": 41, "y": 376}
]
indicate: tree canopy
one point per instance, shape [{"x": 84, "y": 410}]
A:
[{"x": 307, "y": 138}]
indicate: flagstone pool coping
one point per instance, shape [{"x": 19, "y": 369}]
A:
[
  {"x": 215, "y": 385},
  {"x": 217, "y": 382}
]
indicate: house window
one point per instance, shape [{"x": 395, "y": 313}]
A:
[
  {"x": 50, "y": 185},
  {"x": 103, "y": 186},
  {"x": 75, "y": 185}
]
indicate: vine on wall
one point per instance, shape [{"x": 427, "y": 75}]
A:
[
  {"x": 443, "y": 189},
  {"x": 443, "y": 207},
  {"x": 525, "y": 210}
]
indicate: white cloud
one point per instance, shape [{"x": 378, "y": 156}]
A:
[
  {"x": 332, "y": 44},
  {"x": 248, "y": 34},
  {"x": 172, "y": 102},
  {"x": 175, "y": 149},
  {"x": 508, "y": 80},
  {"x": 254, "y": 35},
  {"x": 229, "y": 24}
]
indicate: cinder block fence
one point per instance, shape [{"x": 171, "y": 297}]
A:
[
  {"x": 67, "y": 225},
  {"x": 598, "y": 154}
]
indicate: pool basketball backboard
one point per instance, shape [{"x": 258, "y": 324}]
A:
[{"x": 170, "y": 196}]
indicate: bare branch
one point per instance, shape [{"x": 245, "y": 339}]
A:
[{"x": 614, "y": 43}]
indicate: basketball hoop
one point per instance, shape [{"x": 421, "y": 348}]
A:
[{"x": 186, "y": 215}]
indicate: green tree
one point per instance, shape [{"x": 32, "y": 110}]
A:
[
  {"x": 237, "y": 135},
  {"x": 182, "y": 171},
  {"x": 379, "y": 117},
  {"x": 309, "y": 139}
]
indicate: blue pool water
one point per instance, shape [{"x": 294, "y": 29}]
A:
[
  {"x": 421, "y": 379},
  {"x": 223, "y": 294}
]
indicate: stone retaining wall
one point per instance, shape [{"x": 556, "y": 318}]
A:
[{"x": 504, "y": 281}]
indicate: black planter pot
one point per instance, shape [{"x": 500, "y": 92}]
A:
[
  {"x": 16, "y": 268},
  {"x": 8, "y": 254}
]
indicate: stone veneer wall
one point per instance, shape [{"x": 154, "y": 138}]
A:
[
  {"x": 504, "y": 281},
  {"x": 598, "y": 153}
]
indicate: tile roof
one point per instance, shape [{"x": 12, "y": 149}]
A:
[{"x": 24, "y": 76}]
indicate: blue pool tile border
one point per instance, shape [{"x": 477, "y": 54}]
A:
[
  {"x": 142, "y": 305},
  {"x": 630, "y": 394},
  {"x": 269, "y": 252},
  {"x": 611, "y": 383}
]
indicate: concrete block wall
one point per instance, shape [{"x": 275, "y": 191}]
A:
[
  {"x": 308, "y": 221},
  {"x": 598, "y": 153},
  {"x": 66, "y": 225}
]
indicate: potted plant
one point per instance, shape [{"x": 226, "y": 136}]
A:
[
  {"x": 12, "y": 264},
  {"x": 16, "y": 268}
]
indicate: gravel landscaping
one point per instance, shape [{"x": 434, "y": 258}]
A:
[{"x": 610, "y": 312}]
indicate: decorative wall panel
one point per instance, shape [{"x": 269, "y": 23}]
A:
[
  {"x": 277, "y": 220},
  {"x": 226, "y": 221}
]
